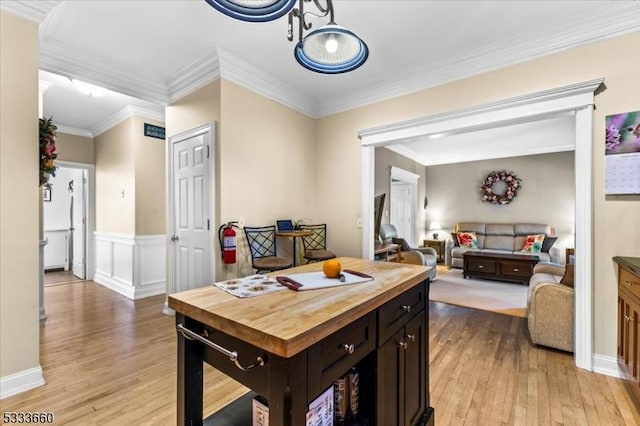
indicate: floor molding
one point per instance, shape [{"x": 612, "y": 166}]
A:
[{"x": 21, "y": 381}]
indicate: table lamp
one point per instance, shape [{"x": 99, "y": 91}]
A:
[{"x": 435, "y": 226}]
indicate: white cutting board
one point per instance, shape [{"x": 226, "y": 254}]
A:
[{"x": 315, "y": 280}]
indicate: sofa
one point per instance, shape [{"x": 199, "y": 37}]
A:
[
  {"x": 417, "y": 255},
  {"x": 550, "y": 306},
  {"x": 501, "y": 238}
]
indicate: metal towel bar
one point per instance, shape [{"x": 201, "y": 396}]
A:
[{"x": 233, "y": 355}]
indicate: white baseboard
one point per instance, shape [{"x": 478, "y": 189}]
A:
[
  {"x": 22, "y": 381},
  {"x": 608, "y": 366},
  {"x": 112, "y": 283}
]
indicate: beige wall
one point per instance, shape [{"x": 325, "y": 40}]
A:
[
  {"x": 115, "y": 173},
  {"x": 150, "y": 179},
  {"x": 19, "y": 195},
  {"x": 547, "y": 194},
  {"x": 616, "y": 227},
  {"x": 268, "y": 150},
  {"x": 78, "y": 149},
  {"x": 384, "y": 160}
]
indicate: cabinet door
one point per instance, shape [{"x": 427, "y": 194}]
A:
[
  {"x": 629, "y": 315},
  {"x": 634, "y": 341},
  {"x": 415, "y": 370},
  {"x": 390, "y": 386}
]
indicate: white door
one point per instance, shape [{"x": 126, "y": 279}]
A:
[
  {"x": 78, "y": 223},
  {"x": 401, "y": 210},
  {"x": 191, "y": 240}
]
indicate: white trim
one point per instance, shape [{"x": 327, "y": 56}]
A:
[
  {"x": 404, "y": 175},
  {"x": 32, "y": 10},
  {"x": 132, "y": 265},
  {"x": 253, "y": 78},
  {"x": 21, "y": 381},
  {"x": 546, "y": 104},
  {"x": 209, "y": 130},
  {"x": 123, "y": 114},
  {"x": 368, "y": 195},
  {"x": 608, "y": 366},
  {"x": 74, "y": 131},
  {"x": 194, "y": 76}
]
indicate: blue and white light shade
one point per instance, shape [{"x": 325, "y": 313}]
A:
[
  {"x": 328, "y": 50},
  {"x": 331, "y": 50},
  {"x": 253, "y": 10}
]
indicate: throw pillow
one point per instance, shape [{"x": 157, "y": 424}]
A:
[
  {"x": 454, "y": 236},
  {"x": 468, "y": 239},
  {"x": 567, "y": 279},
  {"x": 533, "y": 243},
  {"x": 547, "y": 243}
]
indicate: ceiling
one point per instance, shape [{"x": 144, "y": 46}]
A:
[{"x": 150, "y": 53}]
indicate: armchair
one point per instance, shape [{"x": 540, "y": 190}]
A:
[
  {"x": 429, "y": 256},
  {"x": 550, "y": 312}
]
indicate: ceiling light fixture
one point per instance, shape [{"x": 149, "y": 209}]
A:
[
  {"x": 330, "y": 49},
  {"x": 88, "y": 88},
  {"x": 253, "y": 10}
]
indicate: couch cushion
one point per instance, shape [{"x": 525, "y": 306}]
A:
[
  {"x": 533, "y": 243},
  {"x": 459, "y": 251},
  {"x": 478, "y": 228},
  {"x": 541, "y": 277},
  {"x": 532, "y": 228},
  {"x": 468, "y": 239},
  {"x": 498, "y": 242},
  {"x": 499, "y": 229},
  {"x": 544, "y": 257}
]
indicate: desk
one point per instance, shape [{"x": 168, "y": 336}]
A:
[
  {"x": 391, "y": 252},
  {"x": 309, "y": 339},
  {"x": 294, "y": 235}
]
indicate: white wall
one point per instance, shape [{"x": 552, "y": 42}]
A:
[{"x": 56, "y": 212}]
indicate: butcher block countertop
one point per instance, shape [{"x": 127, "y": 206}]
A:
[{"x": 287, "y": 322}]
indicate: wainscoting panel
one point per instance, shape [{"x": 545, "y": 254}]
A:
[{"x": 133, "y": 266}]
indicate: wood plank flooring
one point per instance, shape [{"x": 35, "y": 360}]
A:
[{"x": 111, "y": 361}]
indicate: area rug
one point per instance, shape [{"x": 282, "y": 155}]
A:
[{"x": 495, "y": 296}]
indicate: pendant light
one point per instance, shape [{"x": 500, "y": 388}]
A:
[
  {"x": 330, "y": 49},
  {"x": 253, "y": 10}
]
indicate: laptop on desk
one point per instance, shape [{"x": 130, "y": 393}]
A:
[{"x": 284, "y": 225}]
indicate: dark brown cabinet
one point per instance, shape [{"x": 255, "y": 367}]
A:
[{"x": 403, "y": 394}]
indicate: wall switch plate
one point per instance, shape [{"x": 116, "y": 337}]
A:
[
  {"x": 241, "y": 222},
  {"x": 359, "y": 223}
]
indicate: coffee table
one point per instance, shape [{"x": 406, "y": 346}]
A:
[{"x": 499, "y": 266}]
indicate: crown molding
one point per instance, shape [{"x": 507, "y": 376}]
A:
[
  {"x": 123, "y": 114},
  {"x": 620, "y": 18},
  {"x": 193, "y": 76},
  {"x": 240, "y": 72},
  {"x": 34, "y": 10},
  {"x": 74, "y": 131},
  {"x": 65, "y": 60}
]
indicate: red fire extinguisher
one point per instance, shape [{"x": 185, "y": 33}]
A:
[{"x": 227, "y": 237}]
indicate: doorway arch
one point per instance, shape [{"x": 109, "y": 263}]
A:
[{"x": 576, "y": 99}]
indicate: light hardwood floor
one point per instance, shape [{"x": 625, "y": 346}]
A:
[{"x": 111, "y": 361}]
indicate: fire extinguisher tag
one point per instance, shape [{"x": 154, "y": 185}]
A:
[{"x": 229, "y": 243}]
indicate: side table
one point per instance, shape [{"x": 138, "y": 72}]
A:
[
  {"x": 437, "y": 245},
  {"x": 570, "y": 256}
]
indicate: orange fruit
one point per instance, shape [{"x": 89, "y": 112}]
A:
[{"x": 332, "y": 268}]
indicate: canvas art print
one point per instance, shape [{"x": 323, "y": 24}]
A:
[{"x": 622, "y": 153}]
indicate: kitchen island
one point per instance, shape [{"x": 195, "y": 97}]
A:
[{"x": 290, "y": 346}]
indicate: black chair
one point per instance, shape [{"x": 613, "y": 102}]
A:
[
  {"x": 315, "y": 245},
  {"x": 262, "y": 245}
]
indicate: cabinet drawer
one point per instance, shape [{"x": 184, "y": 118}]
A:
[
  {"x": 516, "y": 269},
  {"x": 397, "y": 312},
  {"x": 481, "y": 265},
  {"x": 329, "y": 359},
  {"x": 629, "y": 282}
]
